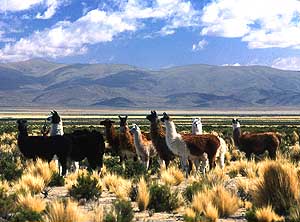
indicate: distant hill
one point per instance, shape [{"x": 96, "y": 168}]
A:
[{"x": 38, "y": 82}]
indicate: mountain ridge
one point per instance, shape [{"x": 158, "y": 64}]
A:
[{"x": 38, "y": 82}]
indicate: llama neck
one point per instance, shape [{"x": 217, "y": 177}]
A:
[
  {"x": 171, "y": 132},
  {"x": 22, "y": 133},
  {"x": 138, "y": 140},
  {"x": 110, "y": 134},
  {"x": 197, "y": 130},
  {"x": 57, "y": 129},
  {"x": 155, "y": 128},
  {"x": 236, "y": 135}
]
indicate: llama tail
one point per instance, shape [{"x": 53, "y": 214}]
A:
[{"x": 222, "y": 151}]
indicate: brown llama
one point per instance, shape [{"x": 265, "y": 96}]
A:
[
  {"x": 256, "y": 143},
  {"x": 190, "y": 147},
  {"x": 158, "y": 138},
  {"x": 112, "y": 137},
  {"x": 127, "y": 147}
]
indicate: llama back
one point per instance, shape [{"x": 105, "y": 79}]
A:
[{"x": 199, "y": 144}]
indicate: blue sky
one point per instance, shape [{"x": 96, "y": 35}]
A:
[{"x": 152, "y": 33}]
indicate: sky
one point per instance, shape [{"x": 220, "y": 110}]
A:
[{"x": 152, "y": 34}]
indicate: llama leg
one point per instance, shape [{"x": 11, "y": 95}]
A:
[
  {"x": 76, "y": 164},
  {"x": 190, "y": 166},
  {"x": 185, "y": 166},
  {"x": 222, "y": 160},
  {"x": 272, "y": 153}
]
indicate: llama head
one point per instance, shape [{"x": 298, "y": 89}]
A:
[
  {"x": 135, "y": 129},
  {"x": 22, "y": 124},
  {"x": 152, "y": 117},
  {"x": 107, "y": 123},
  {"x": 235, "y": 123},
  {"x": 196, "y": 122},
  {"x": 123, "y": 120},
  {"x": 54, "y": 118},
  {"x": 165, "y": 117}
]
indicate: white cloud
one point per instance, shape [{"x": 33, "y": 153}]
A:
[
  {"x": 288, "y": 63},
  {"x": 200, "y": 45},
  {"x": 71, "y": 38},
  {"x": 17, "y": 5},
  {"x": 234, "y": 64},
  {"x": 52, "y": 6},
  {"x": 262, "y": 24},
  {"x": 21, "y": 5}
]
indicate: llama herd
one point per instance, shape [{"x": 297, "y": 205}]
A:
[{"x": 198, "y": 148}]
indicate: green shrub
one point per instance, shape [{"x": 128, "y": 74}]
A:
[
  {"x": 85, "y": 188},
  {"x": 56, "y": 180},
  {"x": 251, "y": 216},
  {"x": 123, "y": 211},
  {"x": 8, "y": 165},
  {"x": 134, "y": 169},
  {"x": 133, "y": 193},
  {"x": 190, "y": 190},
  {"x": 113, "y": 165},
  {"x": 110, "y": 217},
  {"x": 7, "y": 203},
  {"x": 161, "y": 198},
  {"x": 26, "y": 215}
]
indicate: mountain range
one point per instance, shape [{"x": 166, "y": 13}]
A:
[{"x": 40, "y": 83}]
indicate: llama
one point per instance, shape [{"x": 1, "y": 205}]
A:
[
  {"x": 56, "y": 124},
  {"x": 158, "y": 139},
  {"x": 197, "y": 130},
  {"x": 85, "y": 144},
  {"x": 112, "y": 137},
  {"x": 256, "y": 143},
  {"x": 144, "y": 148},
  {"x": 127, "y": 147},
  {"x": 197, "y": 127},
  {"x": 43, "y": 147},
  {"x": 190, "y": 146}
]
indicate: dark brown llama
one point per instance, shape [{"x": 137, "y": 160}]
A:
[
  {"x": 256, "y": 143},
  {"x": 112, "y": 137},
  {"x": 158, "y": 138}
]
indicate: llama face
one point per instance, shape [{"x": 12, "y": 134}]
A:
[
  {"x": 123, "y": 124},
  {"x": 152, "y": 117},
  {"x": 196, "y": 122},
  {"x": 54, "y": 118},
  {"x": 107, "y": 123},
  {"x": 235, "y": 123},
  {"x": 165, "y": 117},
  {"x": 22, "y": 124},
  {"x": 135, "y": 129}
]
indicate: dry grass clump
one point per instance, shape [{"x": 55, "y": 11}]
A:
[
  {"x": 63, "y": 212},
  {"x": 143, "y": 196},
  {"x": 117, "y": 185},
  {"x": 172, "y": 176},
  {"x": 244, "y": 168},
  {"x": 214, "y": 203},
  {"x": 266, "y": 214},
  {"x": 31, "y": 202},
  {"x": 278, "y": 186},
  {"x": 71, "y": 179},
  {"x": 295, "y": 153},
  {"x": 215, "y": 176},
  {"x": 4, "y": 185},
  {"x": 30, "y": 183},
  {"x": 42, "y": 169},
  {"x": 97, "y": 215}
]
